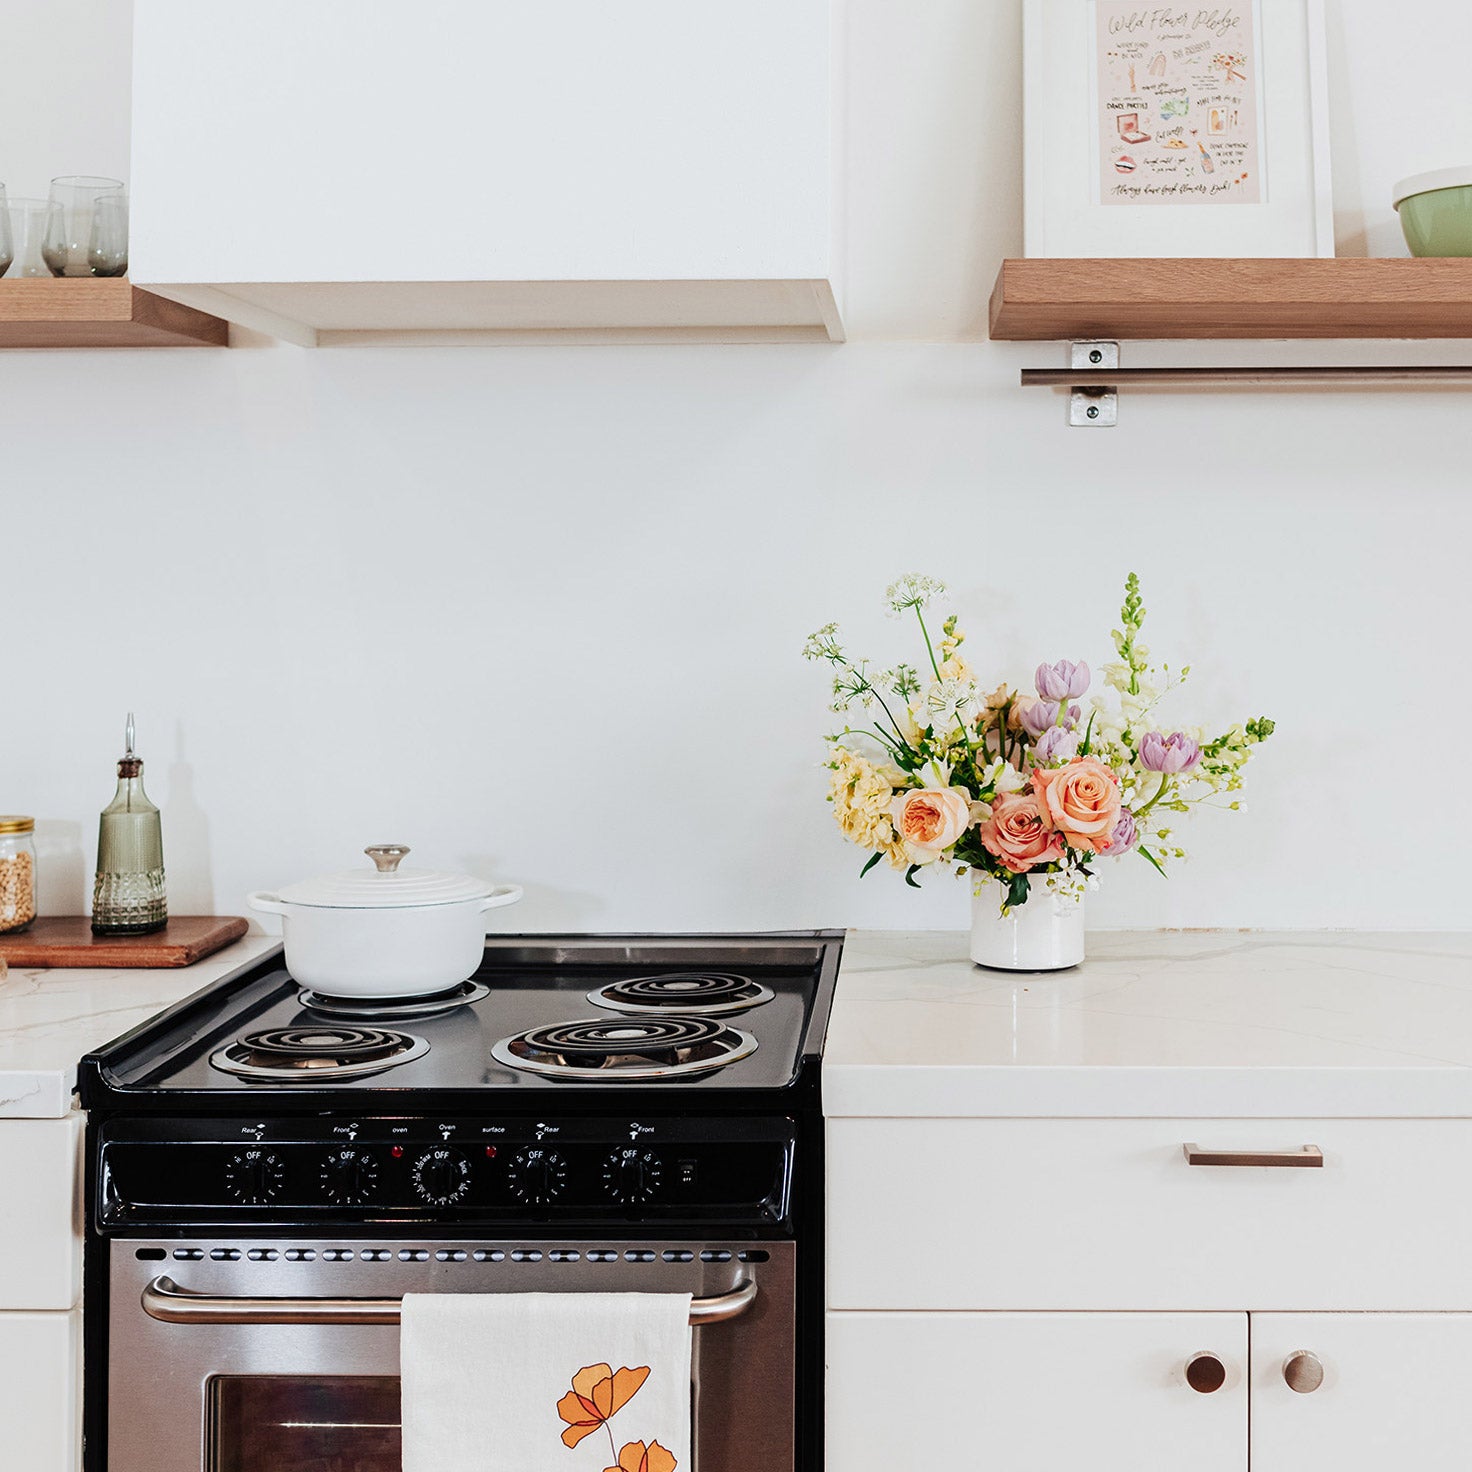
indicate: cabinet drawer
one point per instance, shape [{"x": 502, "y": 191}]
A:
[
  {"x": 40, "y": 1213},
  {"x": 1108, "y": 1214}
]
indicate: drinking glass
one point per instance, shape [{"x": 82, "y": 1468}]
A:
[
  {"x": 69, "y": 224},
  {"x": 26, "y": 220},
  {"x": 107, "y": 253},
  {"x": 7, "y": 240}
]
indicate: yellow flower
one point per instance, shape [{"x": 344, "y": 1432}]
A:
[{"x": 861, "y": 794}]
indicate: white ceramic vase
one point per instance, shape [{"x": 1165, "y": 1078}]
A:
[{"x": 1045, "y": 934}]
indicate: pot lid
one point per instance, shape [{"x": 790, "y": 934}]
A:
[{"x": 386, "y": 886}]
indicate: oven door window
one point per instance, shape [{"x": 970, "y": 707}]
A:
[{"x": 303, "y": 1423}]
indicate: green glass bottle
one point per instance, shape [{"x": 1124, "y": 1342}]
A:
[{"x": 128, "y": 897}]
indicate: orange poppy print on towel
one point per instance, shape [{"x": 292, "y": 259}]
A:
[
  {"x": 598, "y": 1392},
  {"x": 636, "y": 1457}
]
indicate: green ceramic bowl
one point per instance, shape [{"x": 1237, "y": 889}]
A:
[{"x": 1436, "y": 212}]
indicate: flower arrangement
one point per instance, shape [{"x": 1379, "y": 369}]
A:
[{"x": 1013, "y": 785}]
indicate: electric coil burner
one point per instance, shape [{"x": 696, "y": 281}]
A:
[
  {"x": 394, "y": 1009},
  {"x": 690, "y": 993},
  {"x": 294, "y": 1054},
  {"x": 625, "y": 1048}
]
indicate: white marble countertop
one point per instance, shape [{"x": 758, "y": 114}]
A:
[
  {"x": 1228, "y": 1024},
  {"x": 49, "y": 1019}
]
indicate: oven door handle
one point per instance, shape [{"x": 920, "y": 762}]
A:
[{"x": 165, "y": 1300}]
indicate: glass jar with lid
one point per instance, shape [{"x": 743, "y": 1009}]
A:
[{"x": 17, "y": 872}]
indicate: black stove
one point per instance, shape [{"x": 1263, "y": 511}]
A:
[{"x": 577, "y": 1097}]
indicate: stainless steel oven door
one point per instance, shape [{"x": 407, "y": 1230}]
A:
[{"x": 283, "y": 1356}]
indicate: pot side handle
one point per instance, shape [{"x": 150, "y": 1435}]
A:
[
  {"x": 503, "y": 894},
  {"x": 269, "y": 904}
]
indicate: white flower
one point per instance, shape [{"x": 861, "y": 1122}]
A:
[
  {"x": 1004, "y": 777},
  {"x": 913, "y": 590},
  {"x": 949, "y": 702}
]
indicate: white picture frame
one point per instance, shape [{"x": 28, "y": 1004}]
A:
[{"x": 1063, "y": 212}]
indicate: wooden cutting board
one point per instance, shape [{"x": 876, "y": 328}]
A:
[{"x": 67, "y": 940}]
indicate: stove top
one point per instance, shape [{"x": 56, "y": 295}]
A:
[{"x": 702, "y": 1013}]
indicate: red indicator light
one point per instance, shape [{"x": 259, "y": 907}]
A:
[
  {"x": 397, "y": 1152},
  {"x": 490, "y": 1152}
]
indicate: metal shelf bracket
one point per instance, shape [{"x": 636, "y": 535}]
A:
[{"x": 1093, "y": 405}]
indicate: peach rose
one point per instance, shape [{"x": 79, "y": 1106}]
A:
[
  {"x": 1080, "y": 800},
  {"x": 1015, "y": 833},
  {"x": 929, "y": 820}
]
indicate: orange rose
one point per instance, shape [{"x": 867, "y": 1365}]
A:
[
  {"x": 1081, "y": 801},
  {"x": 929, "y": 820},
  {"x": 1016, "y": 834}
]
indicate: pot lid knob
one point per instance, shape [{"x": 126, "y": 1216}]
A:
[{"x": 386, "y": 855}]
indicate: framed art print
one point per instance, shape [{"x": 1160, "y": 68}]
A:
[{"x": 1176, "y": 129}]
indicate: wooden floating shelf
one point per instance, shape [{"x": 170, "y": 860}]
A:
[
  {"x": 97, "y": 312},
  {"x": 1057, "y": 300}
]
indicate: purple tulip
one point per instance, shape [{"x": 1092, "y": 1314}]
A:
[
  {"x": 1056, "y": 744},
  {"x": 1062, "y": 681},
  {"x": 1126, "y": 835},
  {"x": 1042, "y": 714},
  {"x": 1173, "y": 753}
]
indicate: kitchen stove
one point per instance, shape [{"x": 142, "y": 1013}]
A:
[
  {"x": 260, "y": 1157},
  {"x": 690, "y": 993}
]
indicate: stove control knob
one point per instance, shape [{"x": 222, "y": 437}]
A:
[
  {"x": 536, "y": 1176},
  {"x": 441, "y": 1176},
  {"x": 632, "y": 1175},
  {"x": 349, "y": 1177},
  {"x": 254, "y": 1177}
]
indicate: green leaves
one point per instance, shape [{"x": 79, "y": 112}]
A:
[
  {"x": 1017, "y": 891},
  {"x": 910, "y": 874},
  {"x": 873, "y": 859}
]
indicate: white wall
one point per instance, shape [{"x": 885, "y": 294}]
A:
[{"x": 537, "y": 612}]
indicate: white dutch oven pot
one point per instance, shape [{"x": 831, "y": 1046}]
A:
[{"x": 384, "y": 932}]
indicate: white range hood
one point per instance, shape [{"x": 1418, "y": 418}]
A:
[{"x": 568, "y": 171}]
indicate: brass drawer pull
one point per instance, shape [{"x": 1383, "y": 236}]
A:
[{"x": 1304, "y": 1156}]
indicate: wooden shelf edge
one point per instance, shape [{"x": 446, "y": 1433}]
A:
[
  {"x": 44, "y": 312},
  {"x": 1058, "y": 299}
]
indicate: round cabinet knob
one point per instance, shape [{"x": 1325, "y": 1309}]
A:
[
  {"x": 1205, "y": 1373},
  {"x": 1303, "y": 1372}
]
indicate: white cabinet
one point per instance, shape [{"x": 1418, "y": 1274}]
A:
[
  {"x": 1393, "y": 1392},
  {"x": 40, "y": 1213},
  {"x": 1027, "y": 1294},
  {"x": 40, "y": 1391},
  {"x": 574, "y": 170},
  {"x": 1035, "y": 1392}
]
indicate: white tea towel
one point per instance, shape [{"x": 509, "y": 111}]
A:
[{"x": 546, "y": 1382}]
